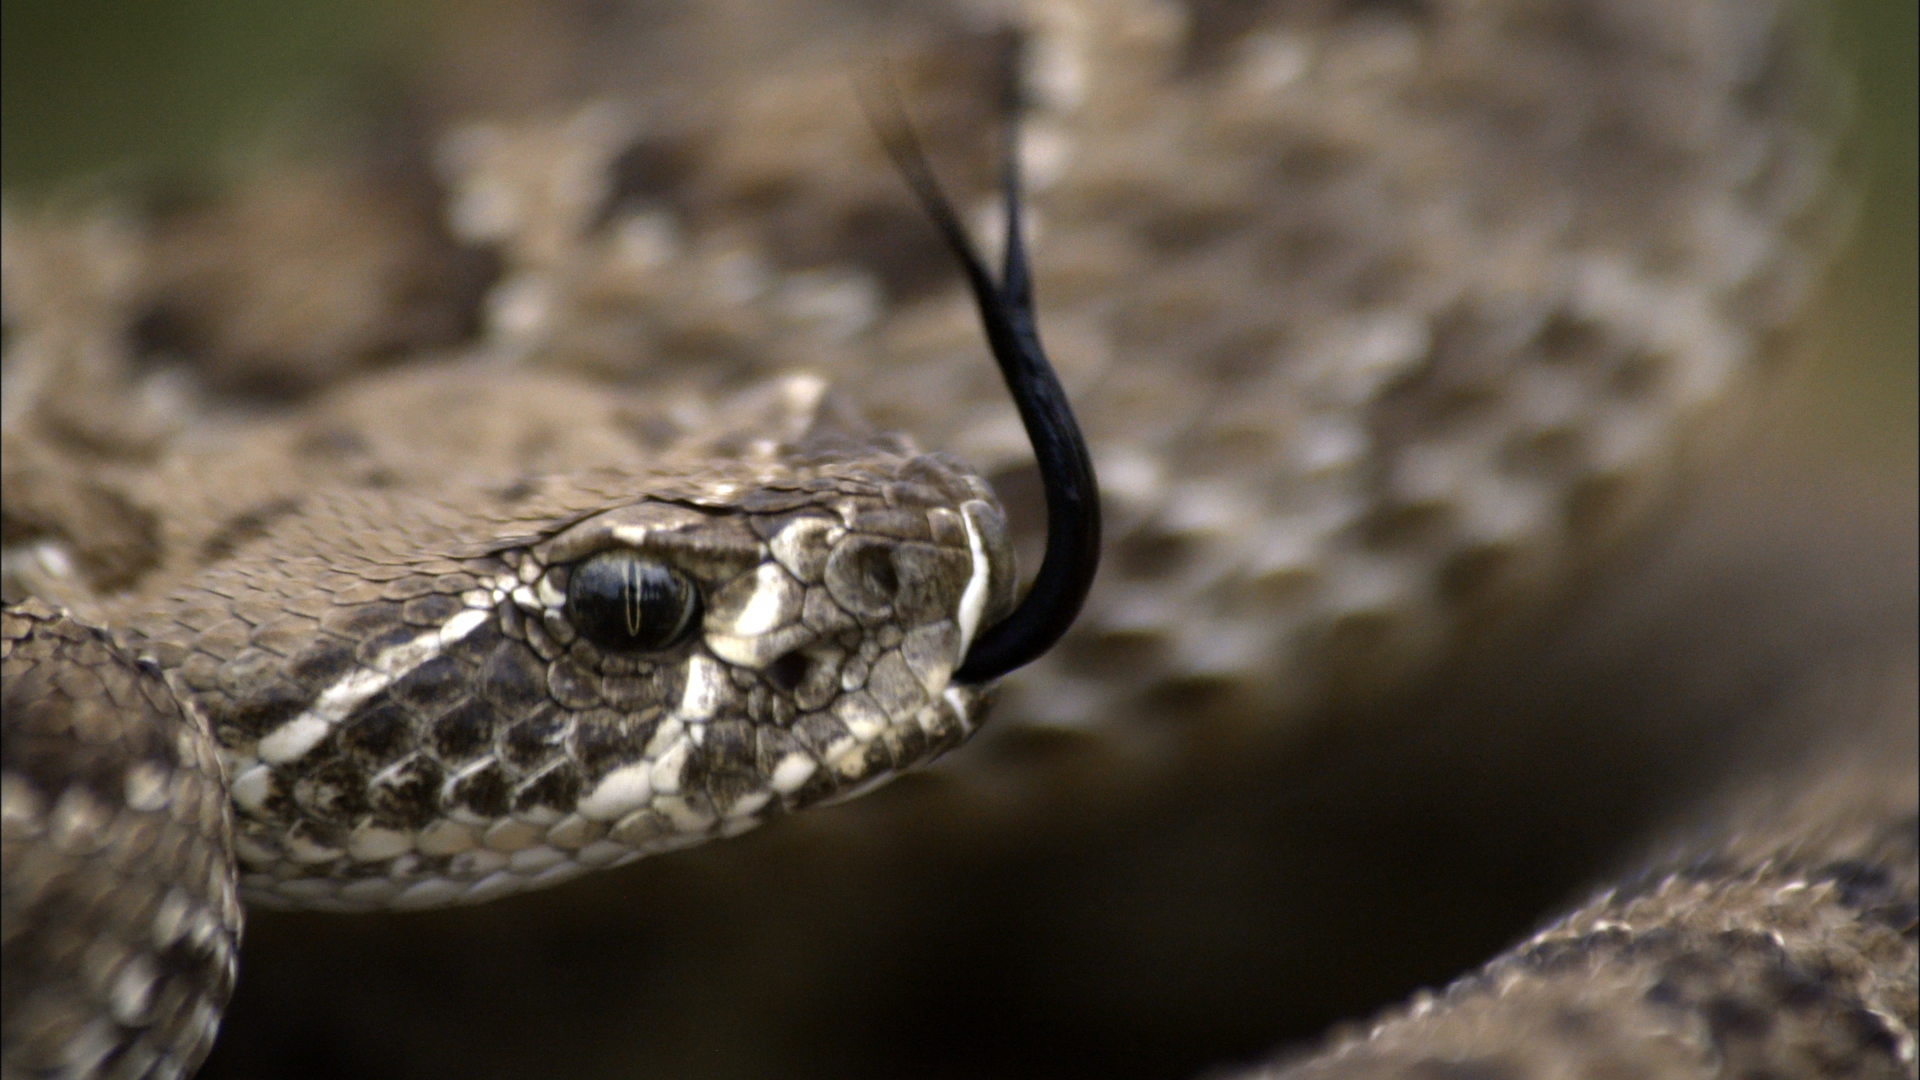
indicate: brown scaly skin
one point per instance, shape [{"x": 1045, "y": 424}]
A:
[
  {"x": 1781, "y": 943},
  {"x": 121, "y": 916}
]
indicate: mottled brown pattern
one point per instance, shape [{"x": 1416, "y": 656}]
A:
[
  {"x": 121, "y": 921},
  {"x": 1780, "y": 945}
]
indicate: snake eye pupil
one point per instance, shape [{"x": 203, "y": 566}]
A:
[{"x": 624, "y": 601}]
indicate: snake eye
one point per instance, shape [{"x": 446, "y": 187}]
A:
[{"x": 625, "y": 601}]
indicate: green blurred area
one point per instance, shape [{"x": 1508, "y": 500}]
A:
[
  {"x": 1866, "y": 331},
  {"x": 108, "y": 85},
  {"x": 125, "y": 86}
]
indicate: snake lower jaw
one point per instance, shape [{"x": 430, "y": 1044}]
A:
[{"x": 457, "y": 863}]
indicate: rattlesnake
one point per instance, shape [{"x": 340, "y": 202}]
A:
[{"x": 1381, "y": 322}]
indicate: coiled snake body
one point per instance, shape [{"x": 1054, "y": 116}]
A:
[{"x": 1380, "y": 324}]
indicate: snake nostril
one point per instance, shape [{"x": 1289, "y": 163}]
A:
[
  {"x": 862, "y": 579},
  {"x": 789, "y": 671},
  {"x": 878, "y": 573}
]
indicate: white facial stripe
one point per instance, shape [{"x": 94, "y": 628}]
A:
[
  {"x": 460, "y": 626},
  {"x": 794, "y": 770},
  {"x": 958, "y": 702},
  {"x": 293, "y": 739},
  {"x": 701, "y": 696},
  {"x": 769, "y": 603},
  {"x": 619, "y": 792},
  {"x": 973, "y": 599},
  {"x": 251, "y": 787}
]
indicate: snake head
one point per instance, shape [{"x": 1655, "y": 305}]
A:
[
  {"x": 460, "y": 703},
  {"x": 424, "y": 701},
  {"x": 767, "y": 638}
]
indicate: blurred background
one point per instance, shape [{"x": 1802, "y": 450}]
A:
[
  {"x": 118, "y": 88},
  {"x": 125, "y": 96}
]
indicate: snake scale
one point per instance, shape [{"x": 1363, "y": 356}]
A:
[{"x": 1384, "y": 322}]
